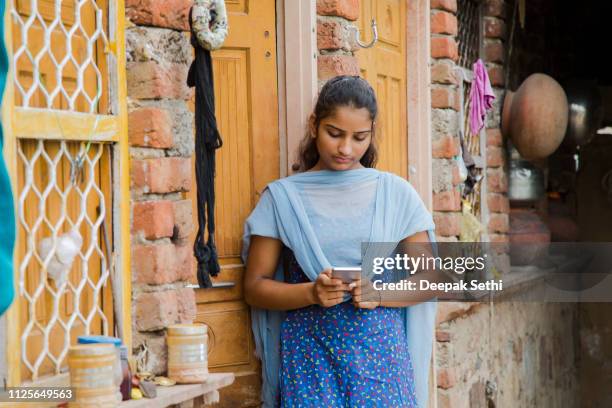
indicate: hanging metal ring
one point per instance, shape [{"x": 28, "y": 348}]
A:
[{"x": 374, "y": 36}]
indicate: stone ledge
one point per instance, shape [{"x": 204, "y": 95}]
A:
[{"x": 180, "y": 393}]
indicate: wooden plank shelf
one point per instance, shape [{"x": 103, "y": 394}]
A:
[{"x": 180, "y": 393}]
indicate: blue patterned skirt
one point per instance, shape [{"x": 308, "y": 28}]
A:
[{"x": 344, "y": 357}]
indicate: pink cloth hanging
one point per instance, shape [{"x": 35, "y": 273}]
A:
[{"x": 481, "y": 97}]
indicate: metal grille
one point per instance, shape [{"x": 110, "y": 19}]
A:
[
  {"x": 61, "y": 282},
  {"x": 58, "y": 52},
  {"x": 469, "y": 32},
  {"x": 472, "y": 144},
  {"x": 62, "y": 55}
]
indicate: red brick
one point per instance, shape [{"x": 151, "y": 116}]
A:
[
  {"x": 186, "y": 305},
  {"x": 443, "y": 73},
  {"x": 185, "y": 262},
  {"x": 150, "y": 127},
  {"x": 183, "y": 219},
  {"x": 498, "y": 222},
  {"x": 333, "y": 65},
  {"x": 495, "y": 51},
  {"x": 154, "y": 218},
  {"x": 447, "y": 224},
  {"x": 445, "y": 147},
  {"x": 156, "y": 310},
  {"x": 447, "y": 201},
  {"x": 444, "y": 47},
  {"x": 159, "y": 13},
  {"x": 456, "y": 175},
  {"x": 162, "y": 175},
  {"x": 445, "y": 97},
  {"x": 443, "y": 23},
  {"x": 494, "y": 27},
  {"x": 348, "y": 9},
  {"x": 495, "y": 8},
  {"x": 448, "y": 5},
  {"x": 496, "y": 76},
  {"x": 498, "y": 203},
  {"x": 495, "y": 156},
  {"x": 153, "y": 80},
  {"x": 329, "y": 35},
  {"x": 154, "y": 264},
  {"x": 494, "y": 137},
  {"x": 497, "y": 182},
  {"x": 446, "y": 378},
  {"x": 443, "y": 336}
]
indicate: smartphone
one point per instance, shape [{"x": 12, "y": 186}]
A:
[{"x": 347, "y": 274}]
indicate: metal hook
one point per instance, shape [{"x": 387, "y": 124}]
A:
[{"x": 374, "y": 36}]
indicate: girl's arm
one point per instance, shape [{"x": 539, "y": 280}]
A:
[{"x": 262, "y": 291}]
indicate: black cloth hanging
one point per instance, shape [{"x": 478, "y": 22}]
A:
[{"x": 207, "y": 140}]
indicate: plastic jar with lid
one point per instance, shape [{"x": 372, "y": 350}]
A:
[
  {"x": 116, "y": 342},
  {"x": 92, "y": 372}
]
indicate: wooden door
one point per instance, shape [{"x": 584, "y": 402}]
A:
[
  {"x": 384, "y": 66},
  {"x": 247, "y": 114},
  {"x": 53, "y": 319}
]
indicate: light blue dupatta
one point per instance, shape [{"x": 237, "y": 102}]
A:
[{"x": 398, "y": 213}]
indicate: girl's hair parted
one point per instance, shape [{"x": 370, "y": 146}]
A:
[{"x": 343, "y": 90}]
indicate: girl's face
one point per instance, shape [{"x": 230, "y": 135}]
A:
[{"x": 343, "y": 138}]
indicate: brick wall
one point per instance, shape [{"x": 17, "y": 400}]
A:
[
  {"x": 160, "y": 128},
  {"x": 445, "y": 101},
  {"x": 496, "y": 12},
  {"x": 507, "y": 354},
  {"x": 336, "y": 38}
]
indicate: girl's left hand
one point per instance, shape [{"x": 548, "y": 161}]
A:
[{"x": 364, "y": 296}]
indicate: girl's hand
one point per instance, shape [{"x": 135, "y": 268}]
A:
[
  {"x": 364, "y": 295},
  {"x": 327, "y": 291}
]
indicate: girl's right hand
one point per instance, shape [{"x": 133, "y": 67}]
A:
[{"x": 328, "y": 291}]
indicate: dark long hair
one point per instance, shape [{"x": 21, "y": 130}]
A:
[{"x": 343, "y": 90}]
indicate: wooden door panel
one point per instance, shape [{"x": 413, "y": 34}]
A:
[
  {"x": 384, "y": 66},
  {"x": 229, "y": 332},
  {"x": 232, "y": 184},
  {"x": 388, "y": 13},
  {"x": 232, "y": 273},
  {"x": 247, "y": 114}
]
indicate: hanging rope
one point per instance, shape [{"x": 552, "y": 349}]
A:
[{"x": 207, "y": 140}]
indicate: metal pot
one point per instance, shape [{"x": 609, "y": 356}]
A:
[
  {"x": 585, "y": 112},
  {"x": 526, "y": 181}
]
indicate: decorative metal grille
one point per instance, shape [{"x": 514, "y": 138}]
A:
[
  {"x": 61, "y": 280},
  {"x": 57, "y": 54},
  {"x": 62, "y": 55},
  {"x": 469, "y": 32}
]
